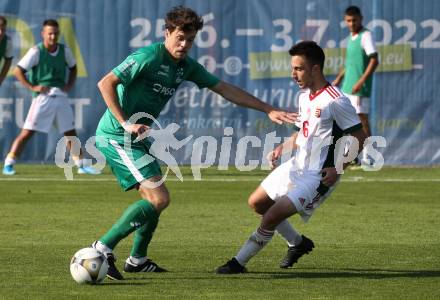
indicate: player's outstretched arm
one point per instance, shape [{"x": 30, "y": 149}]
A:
[{"x": 243, "y": 98}]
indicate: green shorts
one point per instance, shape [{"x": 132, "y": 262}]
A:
[{"x": 131, "y": 163}]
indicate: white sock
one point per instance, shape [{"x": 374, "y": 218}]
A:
[
  {"x": 286, "y": 230},
  {"x": 78, "y": 161},
  {"x": 253, "y": 245},
  {"x": 9, "y": 161},
  {"x": 101, "y": 247},
  {"x": 137, "y": 260},
  {"x": 364, "y": 155}
]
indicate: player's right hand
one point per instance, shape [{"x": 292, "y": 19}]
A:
[
  {"x": 273, "y": 156},
  {"x": 40, "y": 89},
  {"x": 281, "y": 116},
  {"x": 139, "y": 130}
]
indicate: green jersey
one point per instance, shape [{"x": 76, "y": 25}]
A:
[
  {"x": 50, "y": 70},
  {"x": 149, "y": 78},
  {"x": 356, "y": 61},
  {"x": 4, "y": 47}
]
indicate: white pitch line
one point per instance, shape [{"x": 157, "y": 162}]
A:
[
  {"x": 249, "y": 32},
  {"x": 348, "y": 179}
]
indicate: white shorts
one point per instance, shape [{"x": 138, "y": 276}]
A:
[
  {"x": 45, "y": 110},
  {"x": 361, "y": 104},
  {"x": 301, "y": 188}
]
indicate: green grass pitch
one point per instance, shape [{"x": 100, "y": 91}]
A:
[{"x": 377, "y": 236}]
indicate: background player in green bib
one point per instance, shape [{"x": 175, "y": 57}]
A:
[
  {"x": 144, "y": 82},
  {"x": 361, "y": 60},
  {"x": 47, "y": 63},
  {"x": 5, "y": 49}
]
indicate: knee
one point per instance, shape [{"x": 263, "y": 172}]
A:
[
  {"x": 162, "y": 202},
  {"x": 159, "y": 199},
  {"x": 258, "y": 205}
]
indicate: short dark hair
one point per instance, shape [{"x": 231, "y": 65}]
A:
[
  {"x": 183, "y": 18},
  {"x": 51, "y": 22},
  {"x": 353, "y": 11},
  {"x": 311, "y": 51},
  {"x": 2, "y": 18}
]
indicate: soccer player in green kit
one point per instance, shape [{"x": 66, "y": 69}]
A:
[
  {"x": 357, "y": 75},
  {"x": 5, "y": 49},
  {"x": 144, "y": 82}
]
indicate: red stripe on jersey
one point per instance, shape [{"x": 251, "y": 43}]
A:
[
  {"x": 331, "y": 92},
  {"x": 335, "y": 90},
  {"x": 311, "y": 97}
]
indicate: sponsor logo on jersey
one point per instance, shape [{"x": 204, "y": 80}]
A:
[
  {"x": 318, "y": 112},
  {"x": 126, "y": 66},
  {"x": 166, "y": 91},
  {"x": 179, "y": 75},
  {"x": 164, "y": 69}
]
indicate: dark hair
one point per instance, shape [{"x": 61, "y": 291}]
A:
[
  {"x": 353, "y": 11},
  {"x": 183, "y": 18},
  {"x": 311, "y": 51},
  {"x": 50, "y": 22},
  {"x": 4, "y": 20}
]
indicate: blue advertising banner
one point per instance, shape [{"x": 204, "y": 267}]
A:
[{"x": 244, "y": 43}]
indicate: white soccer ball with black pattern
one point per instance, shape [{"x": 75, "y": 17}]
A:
[{"x": 88, "y": 266}]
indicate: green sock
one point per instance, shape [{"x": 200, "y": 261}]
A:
[
  {"x": 142, "y": 237},
  {"x": 134, "y": 217}
]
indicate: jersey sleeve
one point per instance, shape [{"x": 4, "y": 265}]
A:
[
  {"x": 367, "y": 43},
  {"x": 70, "y": 59},
  {"x": 345, "y": 115},
  {"x": 200, "y": 76},
  {"x": 30, "y": 59},
  {"x": 8, "y": 52},
  {"x": 132, "y": 66}
]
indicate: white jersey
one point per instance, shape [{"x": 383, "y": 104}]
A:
[{"x": 324, "y": 118}]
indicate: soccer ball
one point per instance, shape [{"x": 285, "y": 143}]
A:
[{"x": 88, "y": 266}]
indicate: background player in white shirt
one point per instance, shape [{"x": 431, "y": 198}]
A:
[
  {"x": 301, "y": 184},
  {"x": 46, "y": 64}
]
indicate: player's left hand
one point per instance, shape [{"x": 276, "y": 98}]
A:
[
  {"x": 281, "y": 116},
  {"x": 356, "y": 88},
  {"x": 273, "y": 156},
  {"x": 329, "y": 176}
]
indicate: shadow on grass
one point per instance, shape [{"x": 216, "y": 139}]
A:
[
  {"x": 353, "y": 273},
  {"x": 121, "y": 282},
  {"x": 293, "y": 273}
]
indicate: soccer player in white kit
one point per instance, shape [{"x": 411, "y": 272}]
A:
[
  {"x": 301, "y": 184},
  {"x": 46, "y": 63}
]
